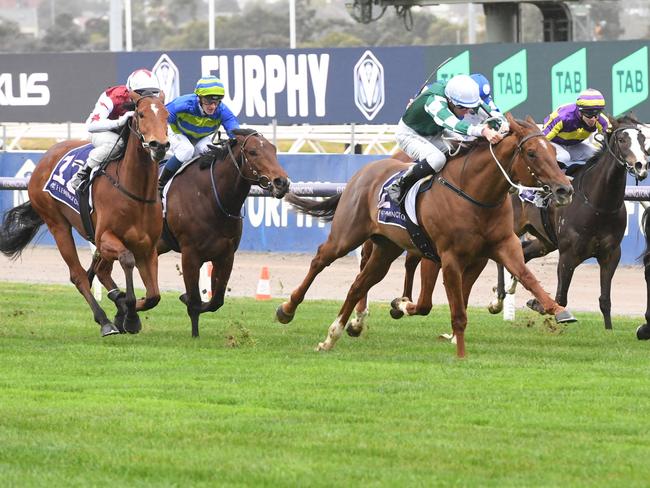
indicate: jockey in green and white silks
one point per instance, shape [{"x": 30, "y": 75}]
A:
[
  {"x": 193, "y": 119},
  {"x": 440, "y": 107}
]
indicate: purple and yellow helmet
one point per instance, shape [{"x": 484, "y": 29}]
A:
[{"x": 590, "y": 100}]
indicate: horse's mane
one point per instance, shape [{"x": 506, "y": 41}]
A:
[{"x": 219, "y": 151}]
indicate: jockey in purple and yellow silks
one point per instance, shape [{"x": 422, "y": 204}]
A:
[
  {"x": 193, "y": 120},
  {"x": 571, "y": 125}
]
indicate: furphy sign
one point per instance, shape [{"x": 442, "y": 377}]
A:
[
  {"x": 25, "y": 89},
  {"x": 259, "y": 85}
]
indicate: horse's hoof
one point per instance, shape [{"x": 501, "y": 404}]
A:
[
  {"x": 282, "y": 316},
  {"x": 643, "y": 332},
  {"x": 495, "y": 307},
  {"x": 448, "y": 337},
  {"x": 395, "y": 311},
  {"x": 533, "y": 304},
  {"x": 109, "y": 329},
  {"x": 119, "y": 322},
  {"x": 321, "y": 347},
  {"x": 353, "y": 331},
  {"x": 132, "y": 324},
  {"x": 565, "y": 317}
]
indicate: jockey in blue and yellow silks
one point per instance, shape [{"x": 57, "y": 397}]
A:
[
  {"x": 193, "y": 119},
  {"x": 571, "y": 125}
]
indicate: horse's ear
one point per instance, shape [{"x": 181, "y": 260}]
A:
[
  {"x": 161, "y": 95},
  {"x": 530, "y": 120},
  {"x": 134, "y": 96},
  {"x": 514, "y": 126}
]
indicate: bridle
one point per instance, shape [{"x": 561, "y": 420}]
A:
[
  {"x": 629, "y": 167},
  {"x": 262, "y": 181},
  {"x": 519, "y": 152}
]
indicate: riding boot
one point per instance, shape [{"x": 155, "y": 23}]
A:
[
  {"x": 165, "y": 176},
  {"x": 397, "y": 189},
  {"x": 80, "y": 177}
]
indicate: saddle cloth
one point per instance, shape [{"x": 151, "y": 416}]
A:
[{"x": 58, "y": 184}]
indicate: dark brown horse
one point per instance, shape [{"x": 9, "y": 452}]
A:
[
  {"x": 593, "y": 225},
  {"x": 643, "y": 331},
  {"x": 203, "y": 205},
  {"x": 127, "y": 216},
  {"x": 469, "y": 220}
]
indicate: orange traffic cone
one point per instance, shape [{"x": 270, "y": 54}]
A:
[{"x": 263, "y": 285}]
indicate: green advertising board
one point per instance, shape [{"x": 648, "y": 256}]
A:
[
  {"x": 569, "y": 78},
  {"x": 630, "y": 81},
  {"x": 458, "y": 65},
  {"x": 510, "y": 81}
]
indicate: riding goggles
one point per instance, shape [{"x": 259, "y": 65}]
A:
[
  {"x": 211, "y": 100},
  {"x": 590, "y": 114}
]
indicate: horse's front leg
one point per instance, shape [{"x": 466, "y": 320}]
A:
[
  {"x": 608, "y": 266},
  {"x": 104, "y": 272},
  {"x": 509, "y": 254},
  {"x": 221, "y": 270},
  {"x": 148, "y": 268},
  {"x": 191, "y": 265},
  {"x": 452, "y": 276},
  {"x": 361, "y": 308},
  {"x": 111, "y": 249}
]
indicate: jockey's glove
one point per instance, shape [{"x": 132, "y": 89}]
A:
[
  {"x": 124, "y": 118},
  {"x": 103, "y": 125}
]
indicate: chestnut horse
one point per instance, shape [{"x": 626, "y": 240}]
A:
[
  {"x": 127, "y": 216},
  {"x": 469, "y": 220},
  {"x": 593, "y": 225},
  {"x": 203, "y": 205}
]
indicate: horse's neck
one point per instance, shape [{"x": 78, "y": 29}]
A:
[
  {"x": 233, "y": 187},
  {"x": 137, "y": 171},
  {"x": 479, "y": 175},
  {"x": 603, "y": 183}
]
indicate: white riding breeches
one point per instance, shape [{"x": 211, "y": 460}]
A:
[
  {"x": 182, "y": 147},
  {"x": 107, "y": 146},
  {"x": 422, "y": 148},
  {"x": 576, "y": 153}
]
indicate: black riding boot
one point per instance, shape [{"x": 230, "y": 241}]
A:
[
  {"x": 165, "y": 176},
  {"x": 397, "y": 190},
  {"x": 81, "y": 176}
]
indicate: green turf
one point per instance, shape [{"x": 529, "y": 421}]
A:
[{"x": 250, "y": 403}]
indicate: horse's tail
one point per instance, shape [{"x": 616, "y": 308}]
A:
[
  {"x": 323, "y": 209},
  {"x": 18, "y": 228}
]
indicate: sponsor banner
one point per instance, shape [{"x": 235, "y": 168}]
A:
[
  {"x": 271, "y": 224},
  {"x": 332, "y": 86}
]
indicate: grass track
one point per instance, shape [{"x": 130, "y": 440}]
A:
[{"x": 251, "y": 404}]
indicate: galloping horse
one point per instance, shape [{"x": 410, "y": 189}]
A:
[
  {"x": 466, "y": 216},
  {"x": 593, "y": 224},
  {"x": 203, "y": 205},
  {"x": 127, "y": 216}
]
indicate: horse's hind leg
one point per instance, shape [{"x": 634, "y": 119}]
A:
[
  {"x": 496, "y": 305},
  {"x": 191, "y": 265},
  {"x": 361, "y": 308},
  {"x": 340, "y": 242},
  {"x": 608, "y": 266},
  {"x": 429, "y": 271},
  {"x": 383, "y": 254},
  {"x": 410, "y": 265},
  {"x": 64, "y": 241}
]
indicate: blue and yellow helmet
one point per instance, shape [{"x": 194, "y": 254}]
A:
[{"x": 210, "y": 86}]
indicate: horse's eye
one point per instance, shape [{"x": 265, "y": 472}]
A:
[
  {"x": 531, "y": 154},
  {"x": 252, "y": 152},
  {"x": 140, "y": 114}
]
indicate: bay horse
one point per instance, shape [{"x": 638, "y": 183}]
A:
[
  {"x": 203, "y": 204},
  {"x": 127, "y": 217},
  {"x": 468, "y": 220},
  {"x": 593, "y": 225}
]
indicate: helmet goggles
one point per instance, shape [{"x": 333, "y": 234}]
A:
[{"x": 590, "y": 113}]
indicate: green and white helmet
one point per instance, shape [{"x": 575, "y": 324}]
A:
[{"x": 210, "y": 86}]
